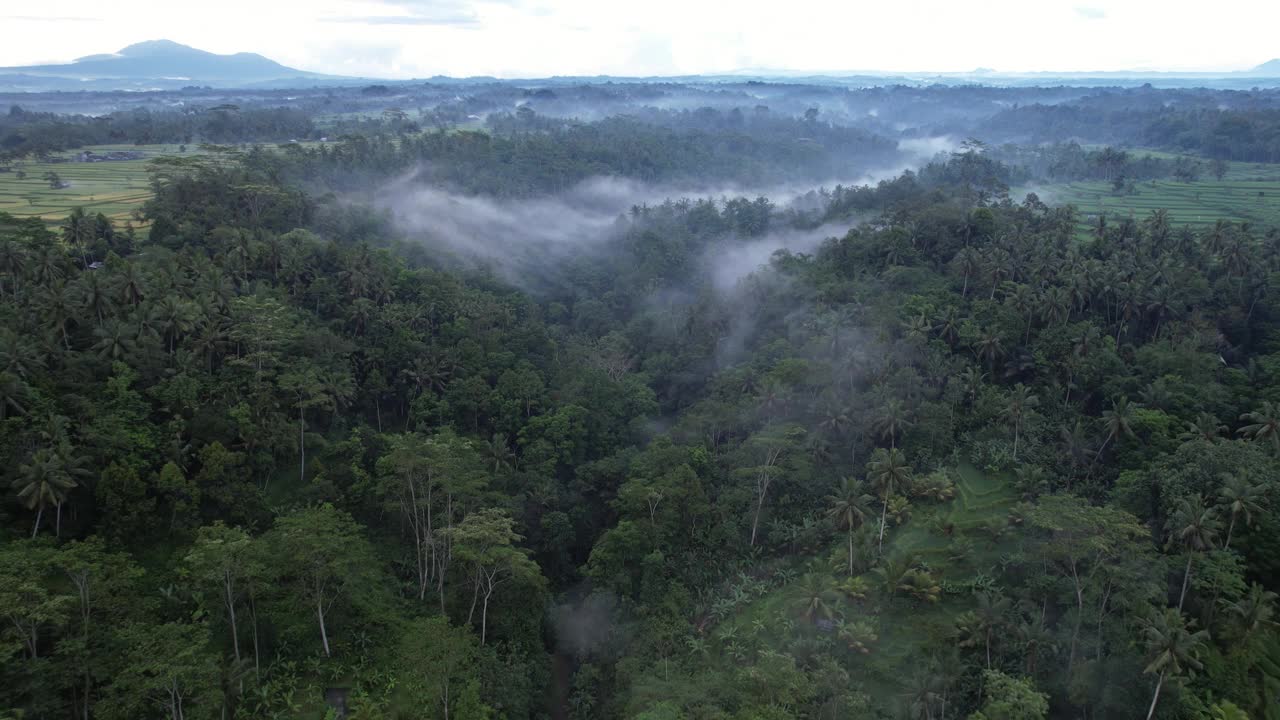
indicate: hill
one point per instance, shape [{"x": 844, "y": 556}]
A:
[
  {"x": 161, "y": 64},
  {"x": 1271, "y": 68}
]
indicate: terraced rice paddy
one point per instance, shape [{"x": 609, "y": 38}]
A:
[
  {"x": 114, "y": 189},
  {"x": 1250, "y": 192}
]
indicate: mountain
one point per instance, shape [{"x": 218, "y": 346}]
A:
[
  {"x": 159, "y": 64},
  {"x": 1270, "y": 68}
]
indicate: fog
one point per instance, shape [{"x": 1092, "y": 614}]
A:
[{"x": 526, "y": 241}]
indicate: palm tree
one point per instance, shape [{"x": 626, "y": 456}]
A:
[
  {"x": 948, "y": 326},
  {"x": 1074, "y": 445},
  {"x": 1264, "y": 424},
  {"x": 13, "y": 391},
  {"x": 1021, "y": 399},
  {"x": 47, "y": 480},
  {"x": 890, "y": 475},
  {"x": 13, "y": 262},
  {"x": 968, "y": 262},
  {"x": 1117, "y": 421},
  {"x": 990, "y": 613},
  {"x": 1255, "y": 611},
  {"x": 116, "y": 340},
  {"x": 1205, "y": 427},
  {"x": 1194, "y": 527},
  {"x": 814, "y": 596},
  {"x": 95, "y": 296},
  {"x": 848, "y": 509},
  {"x": 1172, "y": 648},
  {"x": 891, "y": 420},
  {"x": 1238, "y": 496},
  {"x": 988, "y": 346}
]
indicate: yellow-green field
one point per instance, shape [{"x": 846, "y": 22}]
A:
[{"x": 114, "y": 189}]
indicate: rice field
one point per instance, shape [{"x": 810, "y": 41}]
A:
[
  {"x": 1249, "y": 192},
  {"x": 114, "y": 189}
]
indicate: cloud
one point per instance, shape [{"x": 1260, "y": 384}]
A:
[
  {"x": 460, "y": 20},
  {"x": 454, "y": 13},
  {"x": 50, "y": 18},
  {"x": 1090, "y": 13}
]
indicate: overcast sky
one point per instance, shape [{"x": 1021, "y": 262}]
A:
[{"x": 532, "y": 38}]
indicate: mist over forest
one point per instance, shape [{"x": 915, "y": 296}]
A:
[{"x": 698, "y": 398}]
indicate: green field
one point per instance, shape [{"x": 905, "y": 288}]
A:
[
  {"x": 1249, "y": 192},
  {"x": 114, "y": 189}
]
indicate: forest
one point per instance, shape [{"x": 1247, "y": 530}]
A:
[{"x": 739, "y": 410}]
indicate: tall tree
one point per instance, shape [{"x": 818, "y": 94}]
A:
[
  {"x": 890, "y": 475},
  {"x": 1172, "y": 647}
]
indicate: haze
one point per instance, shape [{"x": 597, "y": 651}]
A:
[{"x": 530, "y": 38}]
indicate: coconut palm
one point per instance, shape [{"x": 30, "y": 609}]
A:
[
  {"x": 890, "y": 475},
  {"x": 1194, "y": 527},
  {"x": 1205, "y": 427},
  {"x": 814, "y": 597},
  {"x": 1255, "y": 611},
  {"x": 1117, "y": 421},
  {"x": 891, "y": 419},
  {"x": 1264, "y": 424},
  {"x": 989, "y": 346},
  {"x": 1021, "y": 400},
  {"x": 1172, "y": 649},
  {"x": 990, "y": 613},
  {"x": 848, "y": 508},
  {"x": 47, "y": 480},
  {"x": 1238, "y": 496}
]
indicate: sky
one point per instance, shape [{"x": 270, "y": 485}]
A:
[{"x": 540, "y": 38}]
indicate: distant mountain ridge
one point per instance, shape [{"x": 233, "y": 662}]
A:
[
  {"x": 164, "y": 63},
  {"x": 1271, "y": 68}
]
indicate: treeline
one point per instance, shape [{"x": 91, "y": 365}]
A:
[
  {"x": 35, "y": 134},
  {"x": 1231, "y": 134},
  {"x": 554, "y": 156}
]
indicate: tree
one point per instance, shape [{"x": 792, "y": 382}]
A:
[
  {"x": 1255, "y": 612},
  {"x": 1172, "y": 648},
  {"x": 437, "y": 666},
  {"x": 1239, "y": 496},
  {"x": 27, "y": 604},
  {"x": 770, "y": 447},
  {"x": 1194, "y": 527},
  {"x": 48, "y": 479},
  {"x": 1010, "y": 698},
  {"x": 304, "y": 385},
  {"x": 169, "y": 666},
  {"x": 891, "y": 419},
  {"x": 890, "y": 475},
  {"x": 222, "y": 558},
  {"x": 848, "y": 509},
  {"x": 486, "y": 541},
  {"x": 1021, "y": 401},
  {"x": 990, "y": 614},
  {"x": 1089, "y": 546},
  {"x": 324, "y": 558},
  {"x": 106, "y": 591},
  {"x": 814, "y": 597},
  {"x": 1264, "y": 424},
  {"x": 1117, "y": 421}
]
